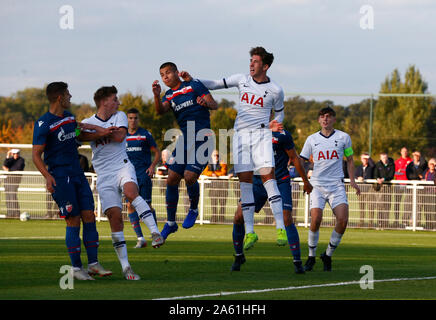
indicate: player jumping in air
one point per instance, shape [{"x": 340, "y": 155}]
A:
[
  {"x": 190, "y": 101},
  {"x": 284, "y": 151},
  {"x": 252, "y": 140}
]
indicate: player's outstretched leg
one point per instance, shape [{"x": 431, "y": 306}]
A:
[
  {"x": 134, "y": 221},
  {"x": 146, "y": 215}
]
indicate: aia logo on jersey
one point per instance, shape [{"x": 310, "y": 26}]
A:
[
  {"x": 275, "y": 140},
  {"x": 328, "y": 155},
  {"x": 252, "y": 99}
]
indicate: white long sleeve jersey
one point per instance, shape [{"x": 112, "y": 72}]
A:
[{"x": 256, "y": 99}]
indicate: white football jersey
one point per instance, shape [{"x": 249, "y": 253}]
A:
[
  {"x": 108, "y": 156},
  {"x": 256, "y": 100},
  {"x": 328, "y": 153}
]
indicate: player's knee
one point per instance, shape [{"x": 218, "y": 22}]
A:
[
  {"x": 341, "y": 223},
  {"x": 73, "y": 221},
  {"x": 287, "y": 218},
  {"x": 239, "y": 217},
  {"x": 190, "y": 178},
  {"x": 88, "y": 216}
]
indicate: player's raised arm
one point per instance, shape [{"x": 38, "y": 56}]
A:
[
  {"x": 161, "y": 107},
  {"x": 207, "y": 101},
  {"x": 224, "y": 83},
  {"x": 118, "y": 135},
  {"x": 91, "y": 132}
]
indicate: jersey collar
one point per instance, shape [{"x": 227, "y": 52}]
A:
[
  {"x": 263, "y": 82},
  {"x": 334, "y": 131}
]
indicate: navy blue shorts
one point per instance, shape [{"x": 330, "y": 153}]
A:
[
  {"x": 195, "y": 160},
  {"x": 261, "y": 196},
  {"x": 145, "y": 186},
  {"x": 73, "y": 195}
]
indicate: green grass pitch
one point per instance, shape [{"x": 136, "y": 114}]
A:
[{"x": 197, "y": 262}]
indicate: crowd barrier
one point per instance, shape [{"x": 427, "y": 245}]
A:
[{"x": 397, "y": 205}]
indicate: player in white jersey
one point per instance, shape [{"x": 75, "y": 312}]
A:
[
  {"x": 252, "y": 140},
  {"x": 115, "y": 173},
  {"x": 328, "y": 147}
]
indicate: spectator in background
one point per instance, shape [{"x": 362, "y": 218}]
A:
[
  {"x": 384, "y": 172},
  {"x": 415, "y": 171},
  {"x": 401, "y": 189},
  {"x": 218, "y": 188},
  {"x": 163, "y": 169},
  {"x": 363, "y": 172},
  {"x": 13, "y": 162},
  {"x": 430, "y": 195}
]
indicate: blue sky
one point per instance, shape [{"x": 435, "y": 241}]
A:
[{"x": 318, "y": 45}]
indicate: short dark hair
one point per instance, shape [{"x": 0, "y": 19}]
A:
[
  {"x": 103, "y": 93},
  {"x": 132, "y": 110},
  {"x": 327, "y": 110},
  {"x": 267, "y": 57},
  {"x": 168, "y": 64},
  {"x": 54, "y": 90}
]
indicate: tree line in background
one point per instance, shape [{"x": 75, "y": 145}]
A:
[{"x": 397, "y": 121}]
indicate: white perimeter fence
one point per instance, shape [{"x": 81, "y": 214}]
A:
[{"x": 397, "y": 205}]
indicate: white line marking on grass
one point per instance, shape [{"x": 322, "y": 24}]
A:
[{"x": 337, "y": 284}]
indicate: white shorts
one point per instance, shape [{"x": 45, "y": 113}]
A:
[
  {"x": 110, "y": 186},
  {"x": 334, "y": 194},
  {"x": 252, "y": 150}
]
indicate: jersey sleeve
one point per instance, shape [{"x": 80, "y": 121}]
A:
[
  {"x": 348, "y": 150},
  {"x": 164, "y": 98},
  {"x": 40, "y": 134},
  {"x": 307, "y": 149},
  {"x": 150, "y": 140},
  {"x": 233, "y": 80},
  {"x": 286, "y": 141},
  {"x": 279, "y": 101},
  {"x": 122, "y": 120},
  {"x": 229, "y": 82},
  {"x": 88, "y": 121}
]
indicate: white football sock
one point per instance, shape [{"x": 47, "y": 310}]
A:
[
  {"x": 247, "y": 202},
  {"x": 335, "y": 239},
  {"x": 313, "y": 242},
  {"x": 145, "y": 214},
  {"x": 275, "y": 202},
  {"x": 120, "y": 248}
]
